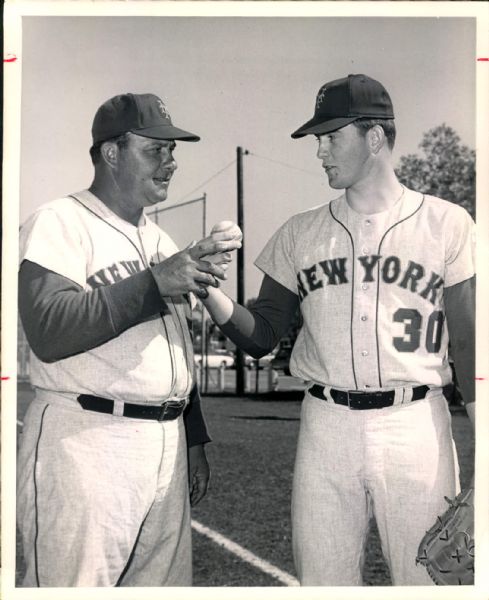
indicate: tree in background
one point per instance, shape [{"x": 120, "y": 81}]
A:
[{"x": 447, "y": 169}]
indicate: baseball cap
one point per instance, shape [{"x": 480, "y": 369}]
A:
[
  {"x": 345, "y": 100},
  {"x": 143, "y": 114}
]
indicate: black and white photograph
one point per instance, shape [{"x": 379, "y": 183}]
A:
[{"x": 240, "y": 344}]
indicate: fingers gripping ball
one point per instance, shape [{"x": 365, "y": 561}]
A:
[
  {"x": 231, "y": 231},
  {"x": 447, "y": 549}
]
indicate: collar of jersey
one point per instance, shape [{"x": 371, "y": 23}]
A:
[
  {"x": 94, "y": 204},
  {"x": 406, "y": 206}
]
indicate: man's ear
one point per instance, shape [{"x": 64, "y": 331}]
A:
[
  {"x": 110, "y": 153},
  {"x": 376, "y": 138}
]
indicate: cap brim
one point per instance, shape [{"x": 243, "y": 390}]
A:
[
  {"x": 313, "y": 127},
  {"x": 167, "y": 132}
]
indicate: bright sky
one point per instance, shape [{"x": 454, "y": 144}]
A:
[{"x": 247, "y": 81}]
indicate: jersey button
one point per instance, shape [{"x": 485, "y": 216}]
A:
[
  {"x": 368, "y": 222},
  {"x": 364, "y": 352},
  {"x": 364, "y": 286},
  {"x": 364, "y": 317},
  {"x": 365, "y": 250}
]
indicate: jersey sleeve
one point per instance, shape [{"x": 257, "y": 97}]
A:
[
  {"x": 460, "y": 254},
  {"x": 49, "y": 239},
  {"x": 193, "y": 419},
  {"x": 60, "y": 319},
  {"x": 259, "y": 329},
  {"x": 277, "y": 258},
  {"x": 460, "y": 314}
]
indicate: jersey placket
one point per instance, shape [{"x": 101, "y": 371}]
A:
[
  {"x": 365, "y": 230},
  {"x": 175, "y": 323}
]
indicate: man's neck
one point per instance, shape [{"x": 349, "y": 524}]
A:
[
  {"x": 115, "y": 202},
  {"x": 375, "y": 194}
]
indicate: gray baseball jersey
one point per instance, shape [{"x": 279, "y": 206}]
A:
[
  {"x": 78, "y": 237},
  {"x": 371, "y": 289}
]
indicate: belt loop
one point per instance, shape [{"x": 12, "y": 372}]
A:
[
  {"x": 408, "y": 395},
  {"x": 327, "y": 394},
  {"x": 399, "y": 396},
  {"x": 118, "y": 410}
]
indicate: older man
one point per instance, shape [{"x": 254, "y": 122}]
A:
[{"x": 104, "y": 294}]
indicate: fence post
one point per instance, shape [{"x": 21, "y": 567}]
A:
[
  {"x": 272, "y": 380},
  {"x": 222, "y": 379},
  {"x": 247, "y": 379}
]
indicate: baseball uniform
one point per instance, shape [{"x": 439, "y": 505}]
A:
[
  {"x": 371, "y": 296},
  {"x": 103, "y": 498},
  {"x": 374, "y": 291}
]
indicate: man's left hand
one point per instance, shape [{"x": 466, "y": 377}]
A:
[{"x": 198, "y": 473}]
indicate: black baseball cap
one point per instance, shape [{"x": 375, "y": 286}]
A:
[
  {"x": 345, "y": 100},
  {"x": 142, "y": 114}
]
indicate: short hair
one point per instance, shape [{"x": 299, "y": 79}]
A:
[
  {"x": 388, "y": 125},
  {"x": 121, "y": 140}
]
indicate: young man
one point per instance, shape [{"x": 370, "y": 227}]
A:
[
  {"x": 384, "y": 277},
  {"x": 103, "y": 489}
]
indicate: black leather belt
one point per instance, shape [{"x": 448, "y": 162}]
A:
[
  {"x": 166, "y": 412},
  {"x": 357, "y": 400}
]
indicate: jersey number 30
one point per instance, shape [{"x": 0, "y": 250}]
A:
[{"x": 413, "y": 322}]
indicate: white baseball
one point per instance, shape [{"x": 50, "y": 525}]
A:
[
  {"x": 226, "y": 226},
  {"x": 222, "y": 226}
]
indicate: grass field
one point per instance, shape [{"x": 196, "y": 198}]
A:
[{"x": 252, "y": 456}]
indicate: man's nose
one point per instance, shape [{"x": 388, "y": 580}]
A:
[
  {"x": 171, "y": 164},
  {"x": 323, "y": 150}
]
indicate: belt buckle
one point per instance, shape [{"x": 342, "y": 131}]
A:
[
  {"x": 358, "y": 405},
  {"x": 168, "y": 407}
]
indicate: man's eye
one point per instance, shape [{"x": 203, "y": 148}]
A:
[{"x": 160, "y": 150}]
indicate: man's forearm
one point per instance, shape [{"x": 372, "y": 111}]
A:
[
  {"x": 236, "y": 322},
  {"x": 460, "y": 312},
  {"x": 194, "y": 422},
  {"x": 219, "y": 305},
  {"x": 256, "y": 331},
  {"x": 60, "y": 319}
]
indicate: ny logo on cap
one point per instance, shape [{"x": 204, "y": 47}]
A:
[
  {"x": 320, "y": 96},
  {"x": 163, "y": 109}
]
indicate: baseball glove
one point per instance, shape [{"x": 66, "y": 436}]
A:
[{"x": 447, "y": 549}]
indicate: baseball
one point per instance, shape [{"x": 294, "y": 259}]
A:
[
  {"x": 225, "y": 226},
  {"x": 222, "y": 226}
]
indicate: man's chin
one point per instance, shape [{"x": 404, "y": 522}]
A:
[
  {"x": 161, "y": 197},
  {"x": 335, "y": 184}
]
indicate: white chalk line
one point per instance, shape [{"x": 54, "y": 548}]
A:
[
  {"x": 239, "y": 551},
  {"x": 245, "y": 555}
]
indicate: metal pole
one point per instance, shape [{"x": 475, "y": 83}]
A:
[
  {"x": 203, "y": 337},
  {"x": 204, "y": 215},
  {"x": 240, "y": 381}
]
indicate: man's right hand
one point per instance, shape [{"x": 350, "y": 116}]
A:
[{"x": 188, "y": 271}]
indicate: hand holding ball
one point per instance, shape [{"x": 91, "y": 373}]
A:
[{"x": 224, "y": 231}]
